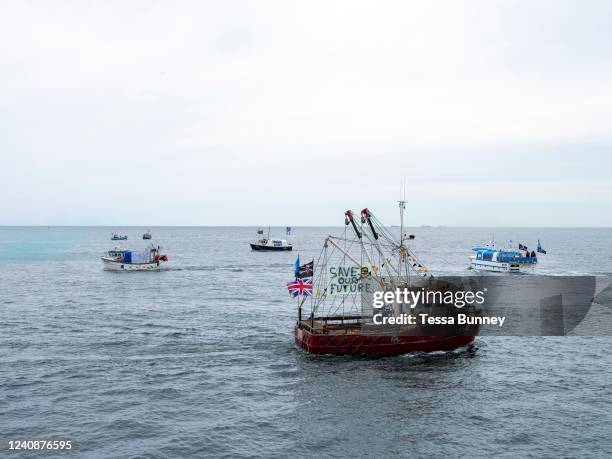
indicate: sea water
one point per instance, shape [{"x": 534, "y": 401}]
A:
[{"x": 199, "y": 360}]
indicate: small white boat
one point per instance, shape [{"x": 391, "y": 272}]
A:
[
  {"x": 133, "y": 260},
  {"x": 268, "y": 244},
  {"x": 504, "y": 260},
  {"x": 147, "y": 235},
  {"x": 118, "y": 237}
]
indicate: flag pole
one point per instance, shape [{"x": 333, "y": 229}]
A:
[
  {"x": 299, "y": 305},
  {"x": 297, "y": 264}
]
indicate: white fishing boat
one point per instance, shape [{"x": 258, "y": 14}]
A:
[
  {"x": 505, "y": 260},
  {"x": 118, "y": 237},
  {"x": 269, "y": 244},
  {"x": 134, "y": 260}
]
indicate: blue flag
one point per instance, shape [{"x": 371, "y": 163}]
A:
[{"x": 297, "y": 266}]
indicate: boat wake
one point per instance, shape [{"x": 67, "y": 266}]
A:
[
  {"x": 462, "y": 351},
  {"x": 231, "y": 268},
  {"x": 189, "y": 268}
]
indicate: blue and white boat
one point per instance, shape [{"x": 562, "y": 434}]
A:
[
  {"x": 505, "y": 260},
  {"x": 134, "y": 260},
  {"x": 118, "y": 237}
]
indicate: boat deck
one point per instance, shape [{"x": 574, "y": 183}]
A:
[
  {"x": 346, "y": 326},
  {"x": 350, "y": 326},
  {"x": 356, "y": 325}
]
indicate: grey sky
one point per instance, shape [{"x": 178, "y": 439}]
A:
[{"x": 204, "y": 113}]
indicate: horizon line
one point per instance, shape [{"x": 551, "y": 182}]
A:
[{"x": 296, "y": 226}]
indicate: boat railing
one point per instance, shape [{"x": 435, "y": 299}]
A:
[{"x": 323, "y": 323}]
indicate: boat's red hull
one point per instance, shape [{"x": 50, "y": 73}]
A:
[{"x": 349, "y": 344}]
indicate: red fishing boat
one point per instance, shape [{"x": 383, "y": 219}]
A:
[
  {"x": 341, "y": 340},
  {"x": 338, "y": 317}
]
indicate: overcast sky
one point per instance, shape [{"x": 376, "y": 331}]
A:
[{"x": 287, "y": 113}]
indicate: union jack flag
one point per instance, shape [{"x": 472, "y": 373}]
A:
[{"x": 300, "y": 287}]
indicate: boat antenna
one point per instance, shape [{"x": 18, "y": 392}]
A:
[{"x": 402, "y": 206}]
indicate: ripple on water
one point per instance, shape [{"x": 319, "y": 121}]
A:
[{"x": 198, "y": 360}]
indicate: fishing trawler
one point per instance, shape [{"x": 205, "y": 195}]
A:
[
  {"x": 133, "y": 260},
  {"x": 269, "y": 244},
  {"x": 507, "y": 259},
  {"x": 147, "y": 235},
  {"x": 339, "y": 318},
  {"x": 118, "y": 237}
]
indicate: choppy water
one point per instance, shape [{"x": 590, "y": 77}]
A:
[{"x": 198, "y": 360}]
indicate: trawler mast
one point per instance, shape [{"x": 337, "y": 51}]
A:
[{"x": 375, "y": 232}]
